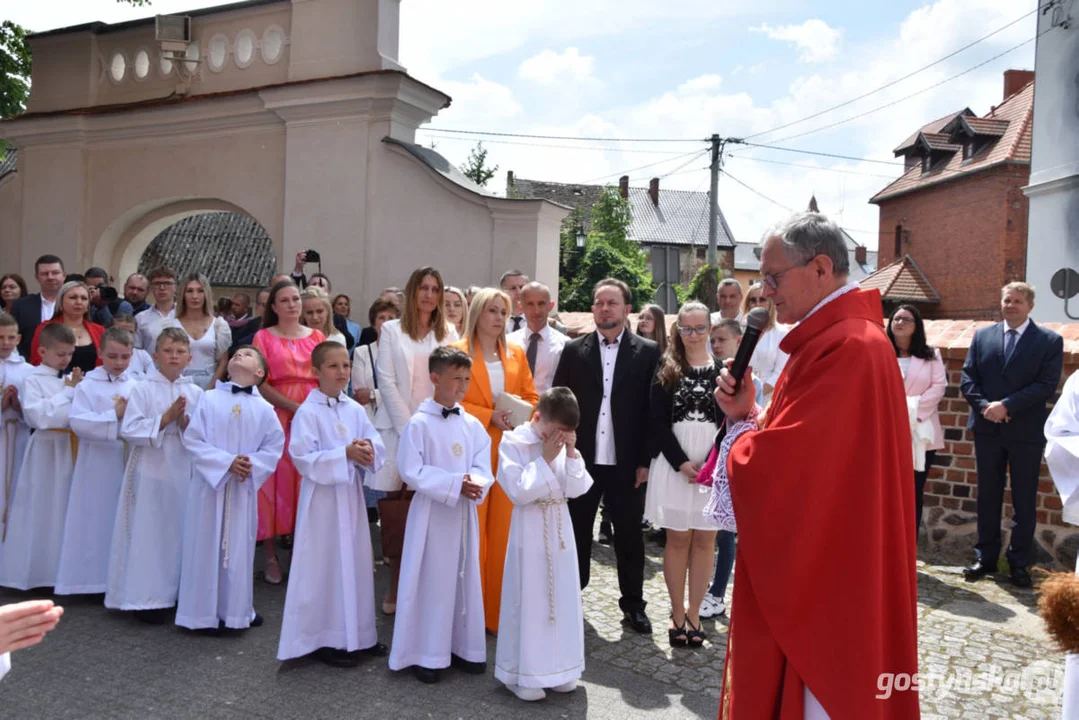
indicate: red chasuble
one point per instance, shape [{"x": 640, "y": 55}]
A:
[{"x": 825, "y": 593}]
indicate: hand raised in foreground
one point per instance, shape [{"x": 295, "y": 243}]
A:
[
  {"x": 735, "y": 406},
  {"x": 360, "y": 452},
  {"x": 25, "y": 624},
  {"x": 469, "y": 489},
  {"x": 553, "y": 443}
]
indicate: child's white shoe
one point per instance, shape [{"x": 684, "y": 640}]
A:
[
  {"x": 527, "y": 694},
  {"x": 565, "y": 687}
]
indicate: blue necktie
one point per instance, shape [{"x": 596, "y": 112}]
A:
[{"x": 1009, "y": 345}]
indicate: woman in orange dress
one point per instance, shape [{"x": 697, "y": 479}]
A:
[
  {"x": 497, "y": 368},
  {"x": 287, "y": 347}
]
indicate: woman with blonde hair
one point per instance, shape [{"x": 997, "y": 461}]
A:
[
  {"x": 768, "y": 360},
  {"x": 210, "y": 334},
  {"x": 404, "y": 382},
  {"x": 498, "y": 368},
  {"x": 456, "y": 308},
  {"x": 318, "y": 313},
  {"x": 72, "y": 308}
]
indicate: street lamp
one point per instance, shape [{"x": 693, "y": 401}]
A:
[{"x": 581, "y": 237}]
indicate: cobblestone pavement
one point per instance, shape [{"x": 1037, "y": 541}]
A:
[{"x": 983, "y": 638}]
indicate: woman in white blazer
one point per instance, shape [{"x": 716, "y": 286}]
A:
[
  {"x": 924, "y": 377},
  {"x": 403, "y": 379}
]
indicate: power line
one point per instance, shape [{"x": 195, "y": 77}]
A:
[
  {"x": 756, "y": 192},
  {"x": 896, "y": 81},
  {"x": 914, "y": 94},
  {"x": 813, "y": 152},
  {"x": 565, "y": 147},
  {"x": 487, "y": 133},
  {"x": 810, "y": 167},
  {"x": 696, "y": 157},
  {"x": 639, "y": 167}
]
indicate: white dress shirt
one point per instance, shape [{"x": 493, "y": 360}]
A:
[
  {"x": 548, "y": 353},
  {"x": 48, "y": 309},
  {"x": 608, "y": 354},
  {"x": 717, "y": 316},
  {"x": 1018, "y": 331},
  {"x": 148, "y": 324}
]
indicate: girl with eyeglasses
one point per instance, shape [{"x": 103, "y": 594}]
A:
[
  {"x": 768, "y": 360},
  {"x": 684, "y": 421}
]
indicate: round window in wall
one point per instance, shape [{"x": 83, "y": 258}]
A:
[
  {"x": 165, "y": 65},
  {"x": 273, "y": 44},
  {"x": 191, "y": 63},
  {"x": 117, "y": 67},
  {"x": 244, "y": 49},
  {"x": 142, "y": 64},
  {"x": 218, "y": 52}
]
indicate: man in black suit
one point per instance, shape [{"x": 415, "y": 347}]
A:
[
  {"x": 611, "y": 372},
  {"x": 245, "y": 334},
  {"x": 35, "y": 308},
  {"x": 1011, "y": 371}
]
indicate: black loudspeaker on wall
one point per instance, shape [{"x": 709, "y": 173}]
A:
[{"x": 1065, "y": 285}]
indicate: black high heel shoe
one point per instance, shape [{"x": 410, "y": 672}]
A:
[
  {"x": 677, "y": 635},
  {"x": 694, "y": 635}
]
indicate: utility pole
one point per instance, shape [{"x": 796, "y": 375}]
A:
[{"x": 713, "y": 200}]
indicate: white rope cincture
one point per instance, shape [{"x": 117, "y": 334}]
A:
[
  {"x": 227, "y": 522},
  {"x": 9, "y": 469},
  {"x": 545, "y": 504}
]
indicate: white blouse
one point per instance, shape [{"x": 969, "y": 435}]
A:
[
  {"x": 768, "y": 360},
  {"x": 207, "y": 350},
  {"x": 421, "y": 376},
  {"x": 497, "y": 375}
]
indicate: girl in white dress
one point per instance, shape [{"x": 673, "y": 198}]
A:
[
  {"x": 684, "y": 422},
  {"x": 210, "y": 336},
  {"x": 404, "y": 381}
]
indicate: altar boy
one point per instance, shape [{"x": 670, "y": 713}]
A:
[
  {"x": 96, "y": 413},
  {"x": 147, "y": 537},
  {"x": 15, "y": 433},
  {"x": 31, "y": 551},
  {"x": 445, "y": 456},
  {"x": 330, "y": 602},
  {"x": 235, "y": 441},
  {"x": 541, "y": 638}
]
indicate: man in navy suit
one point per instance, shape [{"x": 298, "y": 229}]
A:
[{"x": 1011, "y": 372}]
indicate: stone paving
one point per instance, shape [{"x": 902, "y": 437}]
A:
[{"x": 984, "y": 639}]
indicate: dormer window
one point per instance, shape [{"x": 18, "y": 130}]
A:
[
  {"x": 927, "y": 162},
  {"x": 968, "y": 149}
]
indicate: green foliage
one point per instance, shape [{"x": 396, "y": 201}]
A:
[
  {"x": 608, "y": 252},
  {"x": 14, "y": 69},
  {"x": 475, "y": 168},
  {"x": 703, "y": 287}
]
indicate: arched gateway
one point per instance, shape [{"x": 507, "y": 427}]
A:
[{"x": 297, "y": 115}]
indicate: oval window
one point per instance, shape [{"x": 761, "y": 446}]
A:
[
  {"x": 218, "y": 52},
  {"x": 117, "y": 67},
  {"x": 142, "y": 64},
  {"x": 273, "y": 44}
]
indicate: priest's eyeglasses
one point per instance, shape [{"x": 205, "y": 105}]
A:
[
  {"x": 772, "y": 279},
  {"x": 687, "y": 330}
]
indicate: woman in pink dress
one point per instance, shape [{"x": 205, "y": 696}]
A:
[{"x": 287, "y": 347}]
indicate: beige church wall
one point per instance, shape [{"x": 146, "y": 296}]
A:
[{"x": 10, "y": 227}]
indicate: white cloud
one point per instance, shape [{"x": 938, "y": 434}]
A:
[
  {"x": 478, "y": 102},
  {"x": 815, "y": 39},
  {"x": 550, "y": 68}
]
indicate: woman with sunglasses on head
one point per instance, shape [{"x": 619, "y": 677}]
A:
[
  {"x": 684, "y": 422},
  {"x": 768, "y": 360},
  {"x": 925, "y": 378}
]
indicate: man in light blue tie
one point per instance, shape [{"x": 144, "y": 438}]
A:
[{"x": 1011, "y": 372}]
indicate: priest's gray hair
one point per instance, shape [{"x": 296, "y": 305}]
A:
[{"x": 806, "y": 235}]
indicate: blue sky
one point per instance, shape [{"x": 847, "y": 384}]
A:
[{"x": 685, "y": 69}]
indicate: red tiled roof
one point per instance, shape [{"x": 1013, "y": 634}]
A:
[
  {"x": 938, "y": 141},
  {"x": 902, "y": 281},
  {"x": 934, "y": 127},
  {"x": 1011, "y": 147},
  {"x": 987, "y": 126}
]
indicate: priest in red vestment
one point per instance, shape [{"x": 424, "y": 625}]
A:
[{"x": 824, "y": 621}]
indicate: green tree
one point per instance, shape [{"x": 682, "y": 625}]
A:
[
  {"x": 704, "y": 285},
  {"x": 475, "y": 168},
  {"x": 14, "y": 69},
  {"x": 608, "y": 252}
]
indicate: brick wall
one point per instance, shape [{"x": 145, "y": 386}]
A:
[{"x": 968, "y": 236}]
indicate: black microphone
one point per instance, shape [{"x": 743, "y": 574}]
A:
[{"x": 756, "y": 321}]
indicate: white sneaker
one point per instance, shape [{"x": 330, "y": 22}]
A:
[
  {"x": 565, "y": 687},
  {"x": 712, "y": 606},
  {"x": 527, "y": 694}
]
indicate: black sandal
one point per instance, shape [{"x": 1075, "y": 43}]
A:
[
  {"x": 694, "y": 635},
  {"x": 677, "y": 635}
]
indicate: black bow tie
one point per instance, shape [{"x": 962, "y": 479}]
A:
[
  {"x": 237, "y": 389},
  {"x": 60, "y": 374},
  {"x": 446, "y": 412}
]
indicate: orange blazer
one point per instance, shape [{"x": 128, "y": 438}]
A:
[{"x": 478, "y": 402}]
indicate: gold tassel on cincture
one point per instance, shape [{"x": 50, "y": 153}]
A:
[{"x": 1058, "y": 605}]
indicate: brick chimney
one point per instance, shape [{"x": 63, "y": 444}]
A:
[
  {"x": 623, "y": 187},
  {"x": 653, "y": 191},
  {"x": 1015, "y": 80},
  {"x": 859, "y": 255}
]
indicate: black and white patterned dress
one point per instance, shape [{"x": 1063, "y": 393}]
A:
[{"x": 683, "y": 428}]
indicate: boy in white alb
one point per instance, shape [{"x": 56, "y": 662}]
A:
[
  {"x": 445, "y": 456},
  {"x": 141, "y": 361},
  {"x": 15, "y": 433},
  {"x": 330, "y": 603},
  {"x": 147, "y": 537},
  {"x": 96, "y": 413},
  {"x": 541, "y": 635},
  {"x": 234, "y": 440},
  {"x": 30, "y": 553}
]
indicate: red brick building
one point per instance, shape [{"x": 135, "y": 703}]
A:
[{"x": 958, "y": 215}]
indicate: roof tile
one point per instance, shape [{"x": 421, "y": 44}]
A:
[
  {"x": 230, "y": 248},
  {"x": 902, "y": 280}
]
